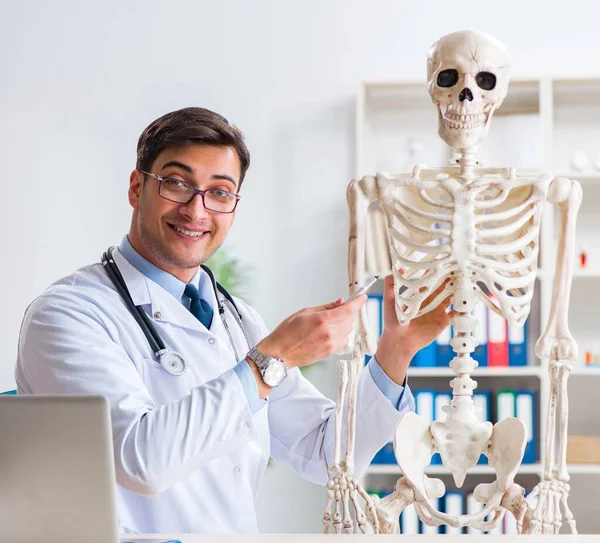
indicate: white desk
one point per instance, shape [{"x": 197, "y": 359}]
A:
[{"x": 322, "y": 538}]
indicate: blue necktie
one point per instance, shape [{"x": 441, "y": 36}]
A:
[{"x": 199, "y": 307}]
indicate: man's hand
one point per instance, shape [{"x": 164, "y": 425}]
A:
[
  {"x": 309, "y": 335},
  {"x": 312, "y": 334},
  {"x": 398, "y": 344}
]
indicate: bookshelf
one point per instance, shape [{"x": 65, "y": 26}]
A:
[
  {"x": 515, "y": 371},
  {"x": 557, "y": 122}
]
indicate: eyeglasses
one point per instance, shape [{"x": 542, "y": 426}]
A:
[{"x": 181, "y": 192}]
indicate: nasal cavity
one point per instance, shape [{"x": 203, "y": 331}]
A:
[{"x": 465, "y": 94}]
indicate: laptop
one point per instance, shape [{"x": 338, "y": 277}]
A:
[{"x": 57, "y": 475}]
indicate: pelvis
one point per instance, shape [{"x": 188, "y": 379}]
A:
[{"x": 460, "y": 440}]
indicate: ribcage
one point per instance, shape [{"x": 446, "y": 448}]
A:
[
  {"x": 419, "y": 225},
  {"x": 507, "y": 226},
  {"x": 488, "y": 230}
]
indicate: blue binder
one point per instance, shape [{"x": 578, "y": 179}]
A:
[
  {"x": 517, "y": 345},
  {"x": 526, "y": 413},
  {"x": 480, "y": 354},
  {"x": 426, "y": 357},
  {"x": 385, "y": 455}
]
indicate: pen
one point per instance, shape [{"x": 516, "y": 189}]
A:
[{"x": 362, "y": 290}]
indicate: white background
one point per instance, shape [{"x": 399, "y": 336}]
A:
[{"x": 80, "y": 80}]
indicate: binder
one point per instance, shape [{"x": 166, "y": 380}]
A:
[
  {"x": 385, "y": 455},
  {"x": 453, "y": 505},
  {"x": 482, "y": 401},
  {"x": 444, "y": 352},
  {"x": 440, "y": 400},
  {"x": 424, "y": 403},
  {"x": 435, "y": 502},
  {"x": 496, "y": 530},
  {"x": 409, "y": 521},
  {"x": 480, "y": 354},
  {"x": 509, "y": 524},
  {"x": 505, "y": 405},
  {"x": 525, "y": 412},
  {"x": 517, "y": 345},
  {"x": 424, "y": 406},
  {"x": 497, "y": 340},
  {"x": 472, "y": 507},
  {"x": 426, "y": 357},
  {"x": 374, "y": 309}
]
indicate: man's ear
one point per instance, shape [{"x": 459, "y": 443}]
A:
[{"x": 136, "y": 184}]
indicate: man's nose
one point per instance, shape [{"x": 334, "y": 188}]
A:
[{"x": 195, "y": 209}]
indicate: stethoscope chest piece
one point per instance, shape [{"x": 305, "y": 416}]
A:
[{"x": 172, "y": 361}]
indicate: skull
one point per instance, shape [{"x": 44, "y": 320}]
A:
[{"x": 467, "y": 78}]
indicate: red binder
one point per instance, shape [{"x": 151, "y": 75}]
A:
[{"x": 497, "y": 340}]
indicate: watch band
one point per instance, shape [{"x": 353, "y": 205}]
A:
[{"x": 272, "y": 370}]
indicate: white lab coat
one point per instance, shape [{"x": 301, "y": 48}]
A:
[{"x": 189, "y": 454}]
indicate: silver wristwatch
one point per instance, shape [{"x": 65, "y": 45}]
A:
[{"x": 273, "y": 370}]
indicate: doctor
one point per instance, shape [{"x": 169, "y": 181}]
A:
[{"x": 192, "y": 437}]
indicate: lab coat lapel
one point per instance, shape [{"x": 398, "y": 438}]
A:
[{"x": 159, "y": 304}]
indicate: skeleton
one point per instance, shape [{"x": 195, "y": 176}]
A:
[{"x": 472, "y": 233}]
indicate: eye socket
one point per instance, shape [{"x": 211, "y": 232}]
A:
[
  {"x": 447, "y": 78},
  {"x": 486, "y": 80}
]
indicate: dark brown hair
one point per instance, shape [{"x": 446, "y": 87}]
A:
[{"x": 191, "y": 125}]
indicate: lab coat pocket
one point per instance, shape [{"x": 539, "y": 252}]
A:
[{"x": 163, "y": 386}]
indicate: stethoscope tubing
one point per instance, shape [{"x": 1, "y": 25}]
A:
[{"x": 177, "y": 364}]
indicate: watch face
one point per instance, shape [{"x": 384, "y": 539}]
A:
[{"x": 275, "y": 373}]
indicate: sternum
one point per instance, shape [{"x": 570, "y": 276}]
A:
[{"x": 463, "y": 226}]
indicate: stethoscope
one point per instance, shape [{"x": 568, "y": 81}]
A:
[{"x": 172, "y": 361}]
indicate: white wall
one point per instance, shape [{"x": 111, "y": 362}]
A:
[{"x": 79, "y": 81}]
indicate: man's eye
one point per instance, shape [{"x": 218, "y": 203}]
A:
[
  {"x": 219, "y": 193},
  {"x": 174, "y": 183}
]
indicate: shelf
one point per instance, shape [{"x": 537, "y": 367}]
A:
[
  {"x": 478, "y": 372},
  {"x": 554, "y": 117},
  {"x": 573, "y": 469},
  {"x": 587, "y": 371},
  {"x": 585, "y": 178},
  {"x": 586, "y": 273},
  {"x": 583, "y": 273},
  {"x": 583, "y": 469},
  {"x": 391, "y": 469}
]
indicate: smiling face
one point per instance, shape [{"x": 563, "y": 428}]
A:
[{"x": 178, "y": 238}]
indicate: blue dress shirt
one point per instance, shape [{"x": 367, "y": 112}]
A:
[{"x": 175, "y": 287}]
